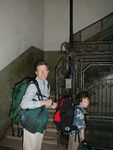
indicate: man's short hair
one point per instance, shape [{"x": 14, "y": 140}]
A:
[{"x": 40, "y": 62}]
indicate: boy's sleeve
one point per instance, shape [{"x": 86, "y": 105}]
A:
[{"x": 79, "y": 119}]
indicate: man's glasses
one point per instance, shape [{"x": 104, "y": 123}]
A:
[{"x": 42, "y": 71}]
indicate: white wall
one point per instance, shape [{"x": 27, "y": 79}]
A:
[
  {"x": 85, "y": 12},
  {"x": 89, "y": 11},
  {"x": 56, "y": 23},
  {"x": 21, "y": 26},
  {"x": 43, "y": 23}
]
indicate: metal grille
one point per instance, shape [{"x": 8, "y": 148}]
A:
[{"x": 98, "y": 80}]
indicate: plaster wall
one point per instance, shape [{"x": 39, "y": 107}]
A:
[
  {"x": 21, "y": 26},
  {"x": 52, "y": 57},
  {"x": 43, "y": 24},
  {"x": 85, "y": 12}
]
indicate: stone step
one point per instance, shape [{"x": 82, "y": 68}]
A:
[
  {"x": 46, "y": 146},
  {"x": 52, "y": 125},
  {"x": 51, "y": 120},
  {"x": 7, "y": 148},
  {"x": 48, "y": 130},
  {"x": 51, "y": 115},
  {"x": 11, "y": 143},
  {"x": 50, "y": 134},
  {"x": 9, "y": 131},
  {"x": 50, "y": 141},
  {"x": 13, "y": 137},
  {"x": 49, "y": 137},
  {"x": 51, "y": 130}
]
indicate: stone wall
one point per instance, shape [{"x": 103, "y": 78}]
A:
[{"x": 14, "y": 72}]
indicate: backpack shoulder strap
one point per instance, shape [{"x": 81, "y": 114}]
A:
[
  {"x": 39, "y": 94},
  {"x": 48, "y": 85},
  {"x": 37, "y": 85}
]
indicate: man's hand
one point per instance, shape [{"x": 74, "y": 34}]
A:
[
  {"x": 54, "y": 105},
  {"x": 46, "y": 102}
]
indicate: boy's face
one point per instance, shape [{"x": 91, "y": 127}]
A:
[
  {"x": 85, "y": 102},
  {"x": 42, "y": 72}
]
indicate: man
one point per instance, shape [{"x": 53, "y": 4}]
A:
[{"x": 31, "y": 101}]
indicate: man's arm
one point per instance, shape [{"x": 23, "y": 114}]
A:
[{"x": 30, "y": 94}]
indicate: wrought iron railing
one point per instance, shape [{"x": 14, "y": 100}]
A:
[
  {"x": 84, "y": 51},
  {"x": 102, "y": 46},
  {"x": 101, "y": 97},
  {"x": 101, "y": 29}
]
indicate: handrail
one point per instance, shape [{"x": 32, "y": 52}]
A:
[{"x": 101, "y": 21}]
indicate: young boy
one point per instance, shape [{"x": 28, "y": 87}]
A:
[
  {"x": 31, "y": 101},
  {"x": 82, "y": 101}
]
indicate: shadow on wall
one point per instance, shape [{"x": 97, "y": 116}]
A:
[
  {"x": 14, "y": 72},
  {"x": 52, "y": 57}
]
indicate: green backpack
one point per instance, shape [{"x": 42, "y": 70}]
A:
[
  {"x": 18, "y": 92},
  {"x": 34, "y": 120}
]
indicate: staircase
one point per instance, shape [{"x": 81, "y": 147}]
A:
[
  {"x": 50, "y": 135},
  {"x": 10, "y": 142},
  {"x": 101, "y": 30}
]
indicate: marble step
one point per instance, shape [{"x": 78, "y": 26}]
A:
[
  {"x": 50, "y": 141},
  {"x": 46, "y": 146},
  {"x": 13, "y": 143},
  {"x": 51, "y": 130},
  {"x": 51, "y": 110},
  {"x": 50, "y": 134},
  {"x": 51, "y": 125},
  {"x": 50, "y": 137}
]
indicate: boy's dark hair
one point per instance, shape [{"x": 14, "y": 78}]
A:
[
  {"x": 81, "y": 95},
  {"x": 40, "y": 62}
]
